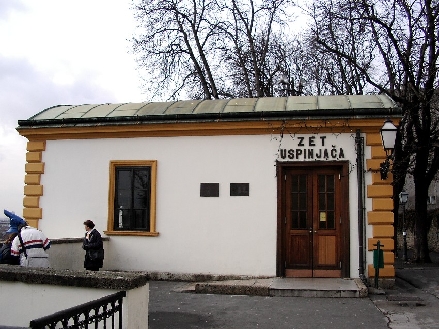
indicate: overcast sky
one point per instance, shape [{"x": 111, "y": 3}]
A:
[{"x": 58, "y": 52}]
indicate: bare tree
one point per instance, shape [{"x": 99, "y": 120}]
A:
[
  {"x": 402, "y": 35},
  {"x": 252, "y": 44},
  {"x": 210, "y": 48},
  {"x": 176, "y": 41},
  {"x": 322, "y": 73},
  {"x": 337, "y": 67}
]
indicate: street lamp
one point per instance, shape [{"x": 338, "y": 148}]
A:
[
  {"x": 388, "y": 136},
  {"x": 403, "y": 197}
]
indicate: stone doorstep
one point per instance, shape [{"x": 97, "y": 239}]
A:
[
  {"x": 362, "y": 288},
  {"x": 252, "y": 287},
  {"x": 279, "y": 287}
]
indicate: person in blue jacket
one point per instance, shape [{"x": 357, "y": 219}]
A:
[{"x": 5, "y": 249}]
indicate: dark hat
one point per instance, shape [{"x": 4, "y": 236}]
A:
[{"x": 89, "y": 223}]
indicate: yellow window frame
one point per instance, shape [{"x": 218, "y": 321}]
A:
[{"x": 112, "y": 180}]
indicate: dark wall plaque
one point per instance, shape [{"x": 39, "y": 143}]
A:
[
  {"x": 209, "y": 189},
  {"x": 239, "y": 189}
]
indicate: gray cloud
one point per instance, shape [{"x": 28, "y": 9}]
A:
[{"x": 25, "y": 91}]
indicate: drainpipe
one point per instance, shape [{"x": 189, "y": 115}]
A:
[{"x": 360, "y": 180}]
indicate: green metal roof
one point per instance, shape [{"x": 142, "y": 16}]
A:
[{"x": 225, "y": 109}]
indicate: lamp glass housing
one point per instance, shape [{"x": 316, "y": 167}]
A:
[
  {"x": 403, "y": 197},
  {"x": 388, "y": 136}
]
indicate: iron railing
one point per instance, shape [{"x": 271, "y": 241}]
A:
[{"x": 82, "y": 316}]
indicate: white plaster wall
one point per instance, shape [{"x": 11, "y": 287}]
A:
[
  {"x": 368, "y": 204},
  {"x": 225, "y": 235},
  {"x": 135, "y": 308},
  {"x": 70, "y": 256},
  {"x": 21, "y": 302}
]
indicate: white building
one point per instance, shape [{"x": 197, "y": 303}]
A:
[{"x": 242, "y": 187}]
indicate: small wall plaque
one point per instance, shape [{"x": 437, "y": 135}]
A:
[
  {"x": 239, "y": 189},
  {"x": 209, "y": 190}
]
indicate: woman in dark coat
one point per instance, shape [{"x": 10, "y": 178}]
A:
[{"x": 92, "y": 244}]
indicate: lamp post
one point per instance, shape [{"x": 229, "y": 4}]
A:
[
  {"x": 388, "y": 136},
  {"x": 403, "y": 197}
]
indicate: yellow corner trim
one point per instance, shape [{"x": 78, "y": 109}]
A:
[
  {"x": 387, "y": 272},
  {"x": 32, "y": 222},
  {"x": 374, "y": 139},
  {"x": 386, "y": 244},
  {"x": 31, "y": 201},
  {"x": 384, "y": 204},
  {"x": 389, "y": 257},
  {"x": 379, "y": 191},
  {"x": 373, "y": 164},
  {"x": 34, "y": 156},
  {"x": 380, "y": 217},
  {"x": 377, "y": 152},
  {"x": 376, "y": 178},
  {"x": 33, "y": 190},
  {"x": 34, "y": 213},
  {"x": 36, "y": 146},
  {"x": 34, "y": 168},
  {"x": 383, "y": 231},
  {"x": 32, "y": 179}
]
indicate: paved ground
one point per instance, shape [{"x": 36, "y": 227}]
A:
[
  {"x": 413, "y": 304},
  {"x": 171, "y": 309}
]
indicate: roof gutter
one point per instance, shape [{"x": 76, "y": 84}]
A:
[{"x": 212, "y": 117}]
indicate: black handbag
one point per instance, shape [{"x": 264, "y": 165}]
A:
[{"x": 96, "y": 254}]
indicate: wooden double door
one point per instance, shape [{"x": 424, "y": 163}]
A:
[{"x": 313, "y": 220}]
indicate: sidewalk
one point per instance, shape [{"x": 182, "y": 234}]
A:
[
  {"x": 169, "y": 308},
  {"x": 316, "y": 287},
  {"x": 414, "y": 301},
  {"x": 420, "y": 276},
  {"x": 248, "y": 304}
]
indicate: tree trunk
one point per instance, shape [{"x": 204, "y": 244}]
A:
[{"x": 422, "y": 253}]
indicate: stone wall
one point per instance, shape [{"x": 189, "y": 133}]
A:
[{"x": 31, "y": 293}]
